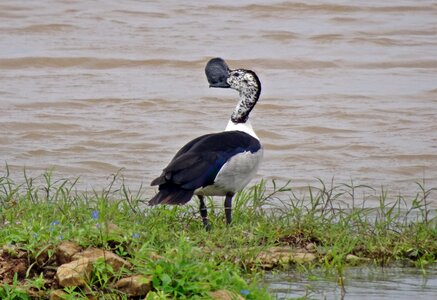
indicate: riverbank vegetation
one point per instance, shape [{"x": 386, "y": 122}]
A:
[{"x": 275, "y": 227}]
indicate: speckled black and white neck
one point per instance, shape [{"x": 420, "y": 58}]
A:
[{"x": 249, "y": 87}]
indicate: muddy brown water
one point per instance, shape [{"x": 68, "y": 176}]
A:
[
  {"x": 349, "y": 87},
  {"x": 360, "y": 283}
]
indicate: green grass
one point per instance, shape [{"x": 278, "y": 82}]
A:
[{"x": 170, "y": 244}]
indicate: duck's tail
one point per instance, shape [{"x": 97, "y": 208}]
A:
[{"x": 170, "y": 193}]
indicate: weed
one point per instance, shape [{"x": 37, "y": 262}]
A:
[
  {"x": 185, "y": 261},
  {"x": 14, "y": 291}
]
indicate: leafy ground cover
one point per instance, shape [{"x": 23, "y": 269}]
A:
[{"x": 170, "y": 245}]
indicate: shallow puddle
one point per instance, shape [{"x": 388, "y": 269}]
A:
[{"x": 360, "y": 283}]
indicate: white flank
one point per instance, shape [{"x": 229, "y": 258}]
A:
[{"x": 234, "y": 175}]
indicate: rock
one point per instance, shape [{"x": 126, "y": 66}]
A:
[
  {"x": 310, "y": 247},
  {"x": 137, "y": 285},
  {"x": 65, "y": 252},
  {"x": 302, "y": 257},
  {"x": 14, "y": 251},
  {"x": 34, "y": 294},
  {"x": 225, "y": 295},
  {"x": 284, "y": 255},
  {"x": 355, "y": 260},
  {"x": 58, "y": 295},
  {"x": 78, "y": 271},
  {"x": 154, "y": 256},
  {"x": 113, "y": 228},
  {"x": 110, "y": 258},
  {"x": 75, "y": 273}
]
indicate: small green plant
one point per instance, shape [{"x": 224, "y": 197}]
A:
[
  {"x": 37, "y": 282},
  {"x": 72, "y": 293},
  {"x": 14, "y": 291},
  {"x": 102, "y": 273},
  {"x": 183, "y": 274}
]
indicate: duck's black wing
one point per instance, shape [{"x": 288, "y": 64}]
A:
[{"x": 197, "y": 163}]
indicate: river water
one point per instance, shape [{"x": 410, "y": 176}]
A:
[
  {"x": 349, "y": 87},
  {"x": 360, "y": 283}
]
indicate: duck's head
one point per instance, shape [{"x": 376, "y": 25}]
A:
[
  {"x": 219, "y": 75},
  {"x": 244, "y": 81}
]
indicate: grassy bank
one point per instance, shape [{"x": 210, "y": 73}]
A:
[{"x": 185, "y": 261}]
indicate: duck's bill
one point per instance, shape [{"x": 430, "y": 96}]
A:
[{"x": 217, "y": 73}]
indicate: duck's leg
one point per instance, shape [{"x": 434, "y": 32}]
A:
[
  {"x": 228, "y": 207},
  {"x": 204, "y": 213}
]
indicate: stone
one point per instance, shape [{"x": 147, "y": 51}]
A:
[
  {"x": 284, "y": 255},
  {"x": 225, "y": 295},
  {"x": 113, "y": 228},
  {"x": 110, "y": 258},
  {"x": 311, "y": 247},
  {"x": 75, "y": 273},
  {"x": 33, "y": 293},
  {"x": 133, "y": 286},
  {"x": 302, "y": 257},
  {"x": 14, "y": 251},
  {"x": 355, "y": 260},
  {"x": 65, "y": 251},
  {"x": 58, "y": 295},
  {"x": 154, "y": 256}
]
